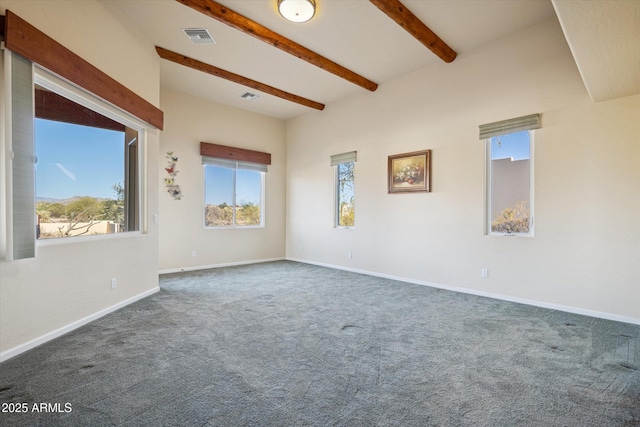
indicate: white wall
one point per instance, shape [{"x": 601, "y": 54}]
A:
[
  {"x": 189, "y": 121},
  {"x": 69, "y": 282},
  {"x": 586, "y": 251}
]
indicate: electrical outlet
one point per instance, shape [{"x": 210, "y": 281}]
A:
[
  {"x": 114, "y": 283},
  {"x": 193, "y": 254},
  {"x": 485, "y": 273},
  {"x": 350, "y": 255}
]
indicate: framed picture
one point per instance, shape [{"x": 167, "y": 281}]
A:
[{"x": 410, "y": 172}]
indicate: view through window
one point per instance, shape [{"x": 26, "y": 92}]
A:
[
  {"x": 345, "y": 195},
  {"x": 233, "y": 196},
  {"x": 510, "y": 183},
  {"x": 86, "y": 171}
]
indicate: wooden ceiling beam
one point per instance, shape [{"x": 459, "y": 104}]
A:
[
  {"x": 414, "y": 26},
  {"x": 235, "y": 20},
  {"x": 31, "y": 43},
  {"x": 236, "y": 78}
]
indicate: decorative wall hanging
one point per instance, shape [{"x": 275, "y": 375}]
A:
[
  {"x": 410, "y": 172},
  {"x": 170, "y": 181}
]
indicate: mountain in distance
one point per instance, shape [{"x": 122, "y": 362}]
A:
[{"x": 67, "y": 201}]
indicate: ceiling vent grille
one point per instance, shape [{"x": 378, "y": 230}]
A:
[
  {"x": 250, "y": 96},
  {"x": 199, "y": 35}
]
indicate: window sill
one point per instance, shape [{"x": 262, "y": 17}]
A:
[
  {"x": 88, "y": 239},
  {"x": 510, "y": 234},
  {"x": 231, "y": 227}
]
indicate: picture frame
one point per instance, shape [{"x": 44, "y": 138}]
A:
[{"x": 410, "y": 172}]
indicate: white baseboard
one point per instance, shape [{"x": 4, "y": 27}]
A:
[
  {"x": 542, "y": 304},
  {"x": 5, "y": 355},
  {"x": 228, "y": 264}
]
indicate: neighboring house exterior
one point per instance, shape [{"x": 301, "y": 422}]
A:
[{"x": 510, "y": 183}]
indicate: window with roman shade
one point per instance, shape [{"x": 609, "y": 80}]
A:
[
  {"x": 234, "y": 181},
  {"x": 344, "y": 188},
  {"x": 509, "y": 181}
]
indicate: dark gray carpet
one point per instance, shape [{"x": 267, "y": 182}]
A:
[{"x": 288, "y": 344}]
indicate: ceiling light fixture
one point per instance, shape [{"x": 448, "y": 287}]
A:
[{"x": 297, "y": 10}]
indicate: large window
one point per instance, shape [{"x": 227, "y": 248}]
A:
[
  {"x": 233, "y": 194},
  {"x": 344, "y": 190},
  {"x": 510, "y": 176},
  {"x": 50, "y": 90},
  {"x": 87, "y": 165}
]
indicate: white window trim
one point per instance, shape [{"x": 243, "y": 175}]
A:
[
  {"x": 48, "y": 80},
  {"x": 487, "y": 189}
]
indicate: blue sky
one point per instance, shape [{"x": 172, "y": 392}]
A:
[
  {"x": 77, "y": 160},
  {"x": 514, "y": 145},
  {"x": 219, "y": 188},
  {"x": 85, "y": 161}
]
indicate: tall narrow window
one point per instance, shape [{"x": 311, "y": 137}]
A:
[
  {"x": 510, "y": 175},
  {"x": 345, "y": 195}
]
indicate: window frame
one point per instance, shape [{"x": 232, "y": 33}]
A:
[
  {"x": 336, "y": 187},
  {"x": 488, "y": 188},
  {"x": 136, "y": 211},
  {"x": 234, "y": 225}
]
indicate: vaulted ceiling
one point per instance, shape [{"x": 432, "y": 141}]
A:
[{"x": 355, "y": 34}]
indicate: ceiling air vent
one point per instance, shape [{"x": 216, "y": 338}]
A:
[
  {"x": 199, "y": 35},
  {"x": 250, "y": 96}
]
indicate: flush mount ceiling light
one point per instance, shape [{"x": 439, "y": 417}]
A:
[{"x": 297, "y": 10}]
